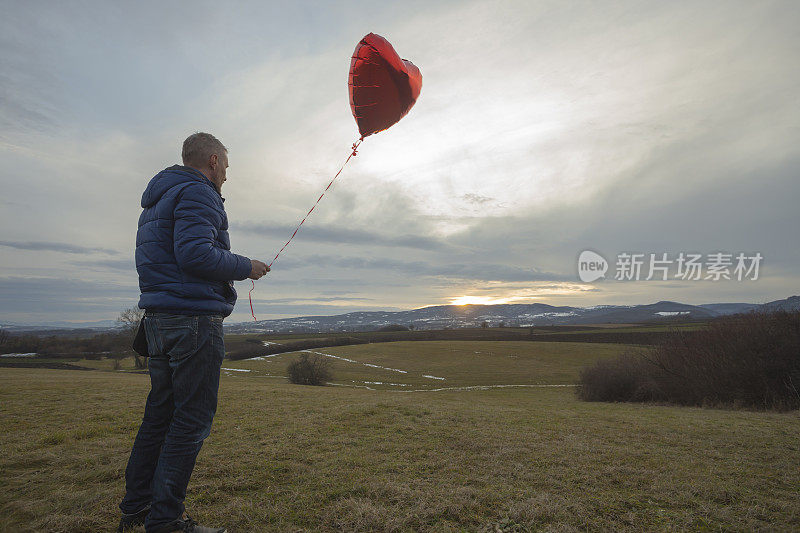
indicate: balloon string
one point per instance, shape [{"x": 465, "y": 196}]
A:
[
  {"x": 250, "y": 296},
  {"x": 352, "y": 153}
]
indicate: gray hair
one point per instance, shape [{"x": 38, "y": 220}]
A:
[{"x": 198, "y": 147}]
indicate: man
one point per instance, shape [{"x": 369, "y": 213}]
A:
[{"x": 185, "y": 271}]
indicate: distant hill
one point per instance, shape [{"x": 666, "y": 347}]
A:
[
  {"x": 455, "y": 316},
  {"x": 792, "y": 303},
  {"x": 519, "y": 315},
  {"x": 729, "y": 309},
  {"x": 61, "y": 327}
]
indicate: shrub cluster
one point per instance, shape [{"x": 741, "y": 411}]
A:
[
  {"x": 750, "y": 361},
  {"x": 112, "y": 341},
  {"x": 307, "y": 370}
]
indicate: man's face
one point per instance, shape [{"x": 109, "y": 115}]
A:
[{"x": 219, "y": 175}]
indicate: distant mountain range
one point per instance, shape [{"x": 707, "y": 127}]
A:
[
  {"x": 99, "y": 325},
  {"x": 518, "y": 315},
  {"x": 456, "y": 316}
]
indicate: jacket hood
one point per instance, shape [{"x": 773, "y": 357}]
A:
[{"x": 170, "y": 177}]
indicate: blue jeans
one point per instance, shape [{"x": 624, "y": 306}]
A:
[{"x": 186, "y": 354}]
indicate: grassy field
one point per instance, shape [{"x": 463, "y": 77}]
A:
[
  {"x": 343, "y": 458},
  {"x": 247, "y": 346},
  {"x": 437, "y": 364}
]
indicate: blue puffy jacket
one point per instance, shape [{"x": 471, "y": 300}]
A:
[{"x": 182, "y": 247}]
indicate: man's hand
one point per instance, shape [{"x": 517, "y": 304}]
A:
[{"x": 257, "y": 269}]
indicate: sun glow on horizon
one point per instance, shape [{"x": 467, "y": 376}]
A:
[
  {"x": 527, "y": 295},
  {"x": 479, "y": 300}
]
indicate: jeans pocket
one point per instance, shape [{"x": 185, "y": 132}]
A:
[
  {"x": 217, "y": 336},
  {"x": 178, "y": 335}
]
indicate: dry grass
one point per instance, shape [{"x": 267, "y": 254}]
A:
[{"x": 291, "y": 458}]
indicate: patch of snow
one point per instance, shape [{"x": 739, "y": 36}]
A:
[
  {"x": 431, "y": 377},
  {"x": 673, "y": 313},
  {"x": 345, "y": 385},
  {"x": 236, "y": 369},
  {"x": 356, "y": 362},
  {"x": 264, "y": 357},
  {"x": 386, "y": 383},
  {"x": 18, "y": 355},
  {"x": 483, "y": 387}
]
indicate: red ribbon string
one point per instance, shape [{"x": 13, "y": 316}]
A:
[
  {"x": 353, "y": 153},
  {"x": 250, "y": 296}
]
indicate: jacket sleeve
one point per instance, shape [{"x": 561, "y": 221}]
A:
[{"x": 197, "y": 224}]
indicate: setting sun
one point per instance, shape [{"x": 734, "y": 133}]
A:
[
  {"x": 478, "y": 300},
  {"x": 503, "y": 293}
]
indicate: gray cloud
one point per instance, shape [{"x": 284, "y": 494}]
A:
[
  {"x": 476, "y": 198},
  {"x": 26, "y": 104},
  {"x": 332, "y": 234},
  {"x": 645, "y": 211},
  {"x": 23, "y": 298},
  {"x": 472, "y": 271},
  {"x": 56, "y": 247},
  {"x": 315, "y": 299},
  {"x": 123, "y": 265}
]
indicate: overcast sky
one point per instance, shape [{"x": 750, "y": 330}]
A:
[{"x": 543, "y": 129}]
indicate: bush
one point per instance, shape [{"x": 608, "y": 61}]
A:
[
  {"x": 309, "y": 370},
  {"x": 625, "y": 379},
  {"x": 748, "y": 361}
]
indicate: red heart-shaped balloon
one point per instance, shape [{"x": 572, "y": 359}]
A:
[{"x": 383, "y": 87}]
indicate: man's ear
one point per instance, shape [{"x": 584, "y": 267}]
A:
[{"x": 212, "y": 161}]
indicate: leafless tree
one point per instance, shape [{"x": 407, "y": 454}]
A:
[
  {"x": 128, "y": 321},
  {"x": 4, "y": 335}
]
